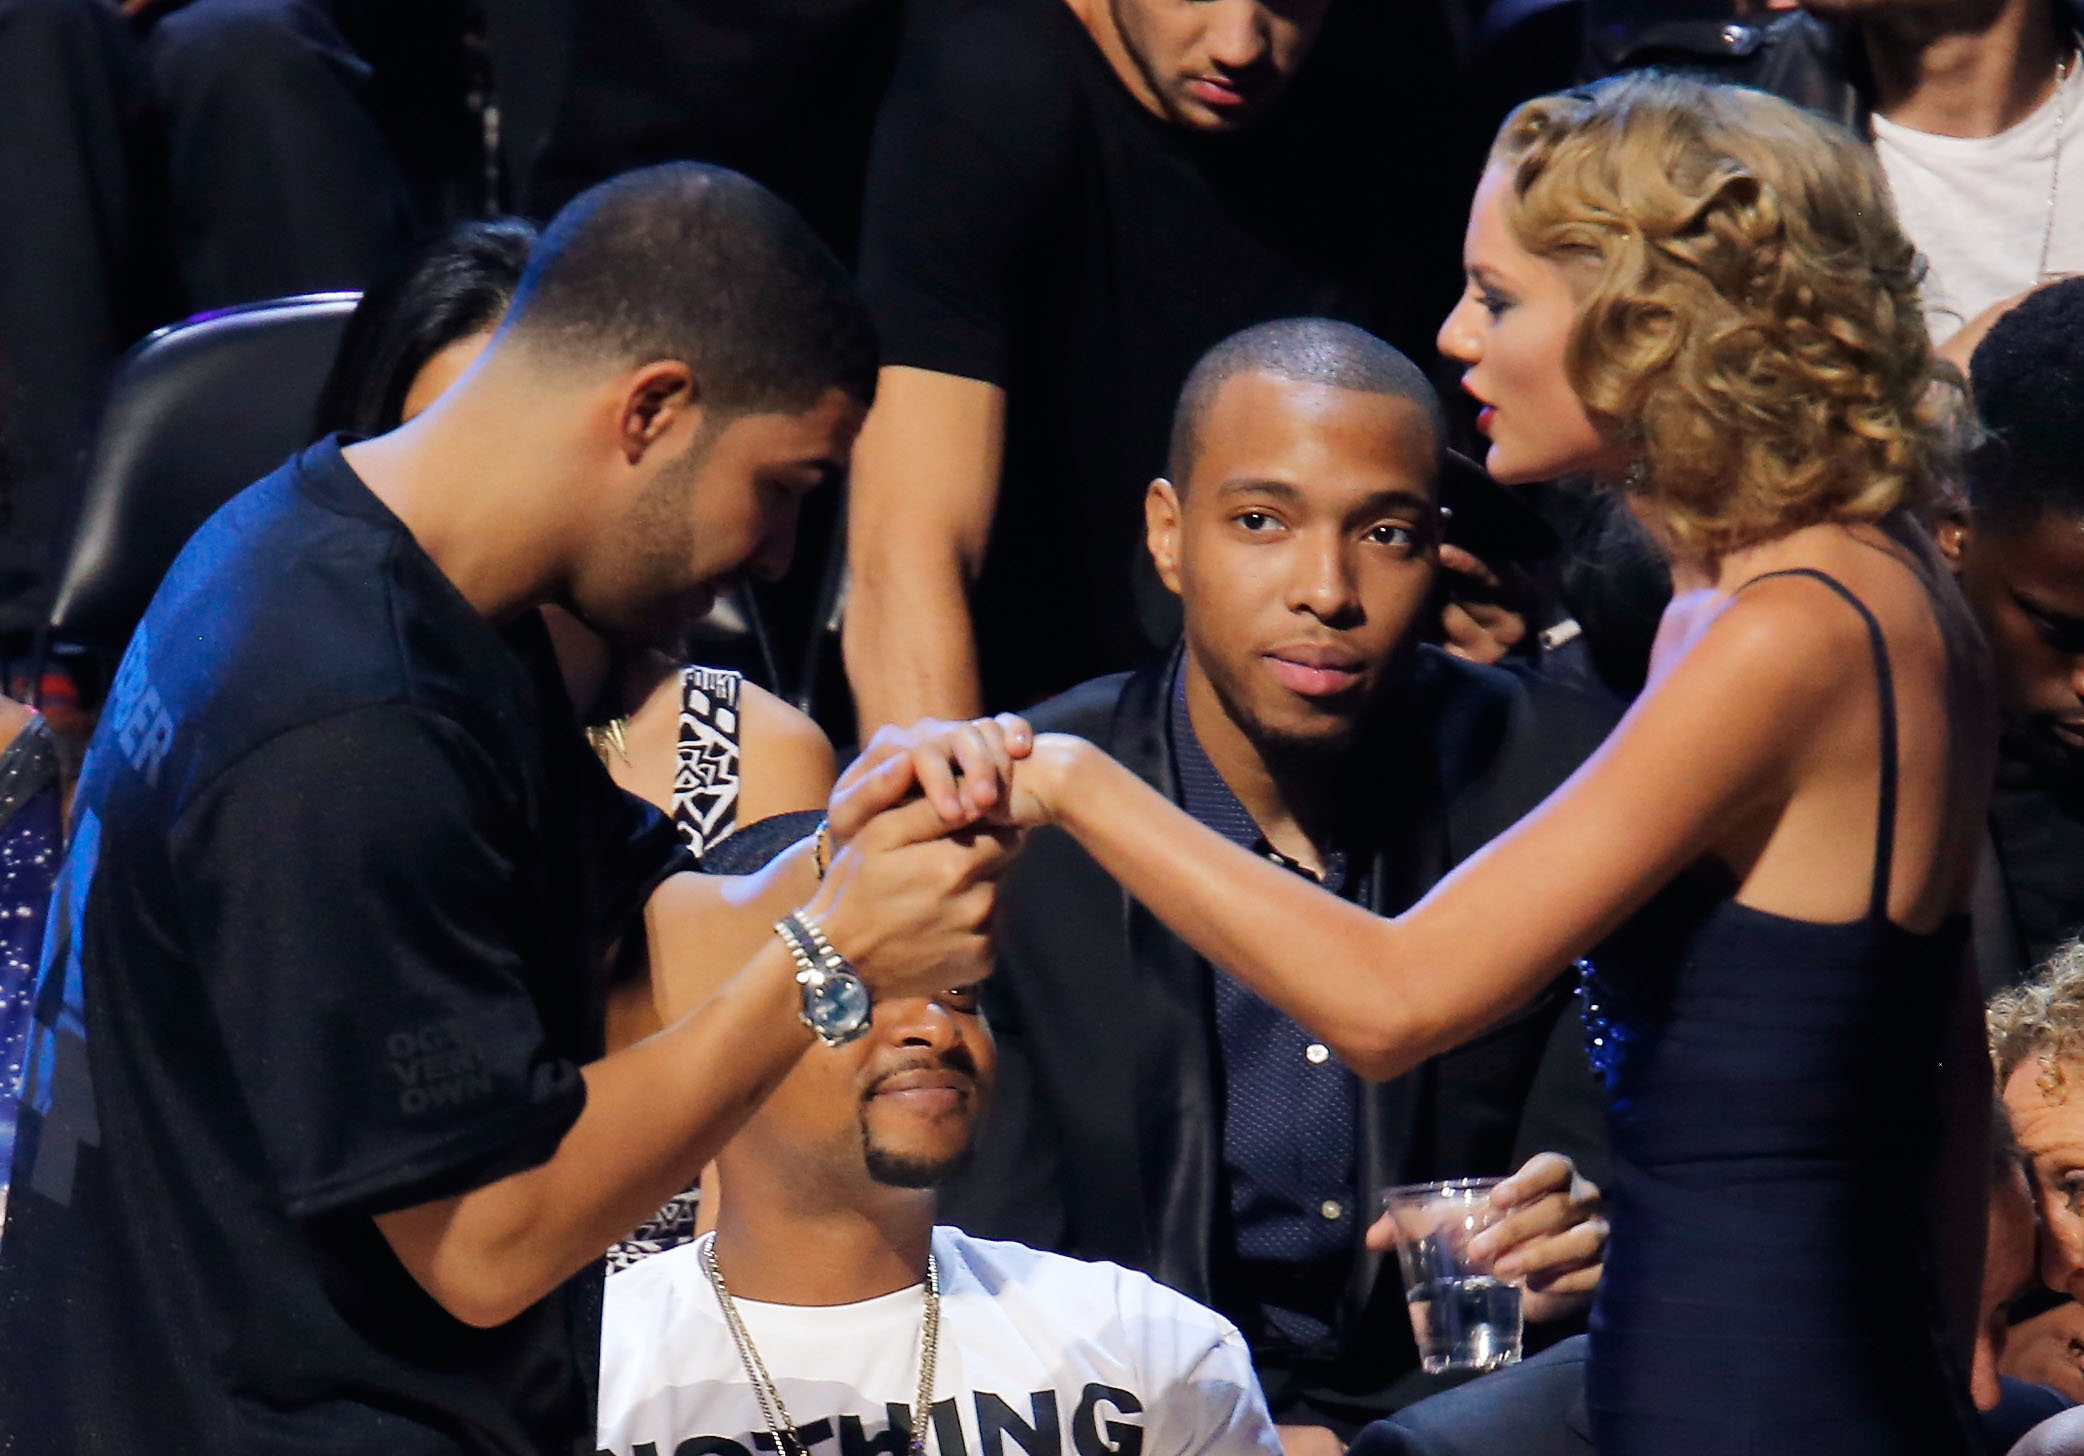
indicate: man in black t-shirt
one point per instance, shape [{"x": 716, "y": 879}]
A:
[
  {"x": 318, "y": 1150},
  {"x": 1068, "y": 202}
]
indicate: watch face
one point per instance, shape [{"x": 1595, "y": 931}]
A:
[{"x": 839, "y": 1007}]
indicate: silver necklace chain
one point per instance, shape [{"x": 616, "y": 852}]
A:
[
  {"x": 2062, "y": 102},
  {"x": 786, "y": 1440}
]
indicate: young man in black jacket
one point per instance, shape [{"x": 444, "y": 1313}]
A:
[{"x": 1157, "y": 1114}]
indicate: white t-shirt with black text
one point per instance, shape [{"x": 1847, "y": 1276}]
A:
[
  {"x": 1039, "y": 1355},
  {"x": 1977, "y": 207}
]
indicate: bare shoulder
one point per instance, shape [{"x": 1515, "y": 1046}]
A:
[
  {"x": 1782, "y": 641},
  {"x": 786, "y": 760}
]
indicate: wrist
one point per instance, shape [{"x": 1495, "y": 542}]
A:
[
  {"x": 835, "y": 1002},
  {"x": 1062, "y": 787}
]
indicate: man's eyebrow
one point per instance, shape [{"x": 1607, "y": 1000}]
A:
[
  {"x": 1397, "y": 500},
  {"x": 1382, "y": 500},
  {"x": 1257, "y": 485}
]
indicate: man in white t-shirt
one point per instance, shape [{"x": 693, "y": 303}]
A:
[
  {"x": 1975, "y": 109},
  {"x": 804, "y": 1324}
]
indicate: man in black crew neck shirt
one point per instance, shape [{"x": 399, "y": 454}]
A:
[
  {"x": 318, "y": 1149},
  {"x": 1068, "y": 202}
]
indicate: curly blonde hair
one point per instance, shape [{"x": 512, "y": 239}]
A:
[
  {"x": 1748, "y": 319},
  {"x": 2044, "y": 1020}
]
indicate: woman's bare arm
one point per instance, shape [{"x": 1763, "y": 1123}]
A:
[{"x": 1720, "y": 740}]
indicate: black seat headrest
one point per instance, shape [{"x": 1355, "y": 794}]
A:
[{"x": 196, "y": 413}]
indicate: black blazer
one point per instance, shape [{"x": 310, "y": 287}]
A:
[{"x": 1106, "y": 1139}]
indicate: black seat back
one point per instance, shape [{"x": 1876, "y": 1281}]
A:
[{"x": 197, "y": 412}]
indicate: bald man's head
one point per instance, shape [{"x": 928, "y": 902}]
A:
[{"x": 1301, "y": 351}]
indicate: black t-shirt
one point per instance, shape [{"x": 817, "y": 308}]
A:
[
  {"x": 1029, "y": 224},
  {"x": 2037, "y": 825},
  {"x": 326, "y": 944},
  {"x": 782, "y": 90}
]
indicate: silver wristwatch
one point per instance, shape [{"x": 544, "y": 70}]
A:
[{"x": 836, "y": 1004}]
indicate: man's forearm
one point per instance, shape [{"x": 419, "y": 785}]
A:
[
  {"x": 655, "y": 1113},
  {"x": 703, "y": 928},
  {"x": 920, "y": 502},
  {"x": 910, "y": 646}
]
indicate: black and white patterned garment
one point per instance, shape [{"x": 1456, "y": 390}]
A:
[{"x": 705, "y": 810}]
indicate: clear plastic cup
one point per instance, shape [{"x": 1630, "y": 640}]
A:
[{"x": 1464, "y": 1317}]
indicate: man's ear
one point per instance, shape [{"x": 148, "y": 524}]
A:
[
  {"x": 659, "y": 400},
  {"x": 1950, "y": 531},
  {"x": 1161, "y": 526}
]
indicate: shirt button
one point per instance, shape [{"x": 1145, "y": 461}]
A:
[
  {"x": 1332, "y": 1208},
  {"x": 1316, "y": 1053}
]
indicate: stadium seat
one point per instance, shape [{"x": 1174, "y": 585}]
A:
[{"x": 196, "y": 412}]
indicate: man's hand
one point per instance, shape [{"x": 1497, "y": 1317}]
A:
[
  {"x": 1478, "y": 625},
  {"x": 1551, "y": 1241},
  {"x": 909, "y": 902},
  {"x": 2048, "y": 1350}
]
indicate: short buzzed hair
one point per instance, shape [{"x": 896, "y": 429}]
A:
[
  {"x": 1302, "y": 350},
  {"x": 700, "y": 264},
  {"x": 2027, "y": 378}
]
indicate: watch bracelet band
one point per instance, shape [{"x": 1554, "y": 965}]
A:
[
  {"x": 801, "y": 948},
  {"x": 828, "y": 958}
]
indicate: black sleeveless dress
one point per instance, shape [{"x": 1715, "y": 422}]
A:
[{"x": 1770, "y": 1283}]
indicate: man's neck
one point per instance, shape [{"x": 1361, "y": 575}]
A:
[
  {"x": 1974, "y": 77},
  {"x": 485, "y": 492},
  {"x": 773, "y": 1249},
  {"x": 1294, "y": 809}
]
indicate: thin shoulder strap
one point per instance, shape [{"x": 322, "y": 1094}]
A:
[
  {"x": 1885, "y": 814},
  {"x": 705, "y": 765}
]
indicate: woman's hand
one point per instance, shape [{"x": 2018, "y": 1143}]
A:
[
  {"x": 1043, "y": 783},
  {"x": 1551, "y": 1241},
  {"x": 962, "y": 768}
]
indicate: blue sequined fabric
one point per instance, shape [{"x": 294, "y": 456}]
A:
[
  {"x": 1607, "y": 1036},
  {"x": 31, "y": 843}
]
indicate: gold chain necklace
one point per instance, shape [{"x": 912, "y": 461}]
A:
[
  {"x": 779, "y": 1425},
  {"x": 611, "y": 736}
]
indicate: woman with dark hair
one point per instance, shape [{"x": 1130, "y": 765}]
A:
[
  {"x": 1698, "y": 295},
  {"x": 403, "y": 345},
  {"x": 744, "y": 776}
]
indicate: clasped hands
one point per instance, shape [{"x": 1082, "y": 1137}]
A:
[{"x": 921, "y": 826}]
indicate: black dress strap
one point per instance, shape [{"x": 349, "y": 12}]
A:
[{"x": 1885, "y": 814}]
